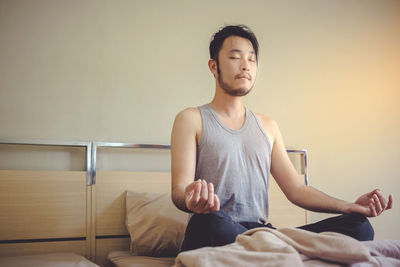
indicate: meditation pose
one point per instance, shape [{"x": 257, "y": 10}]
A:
[{"x": 222, "y": 154}]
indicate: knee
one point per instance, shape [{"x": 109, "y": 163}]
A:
[
  {"x": 363, "y": 230},
  {"x": 366, "y": 231},
  {"x": 204, "y": 230},
  {"x": 209, "y": 221}
]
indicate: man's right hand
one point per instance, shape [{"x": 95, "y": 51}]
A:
[{"x": 200, "y": 197}]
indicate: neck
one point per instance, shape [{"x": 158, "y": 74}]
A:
[{"x": 227, "y": 105}]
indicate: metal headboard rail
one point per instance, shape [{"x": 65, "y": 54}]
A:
[
  {"x": 303, "y": 155},
  {"x": 91, "y": 152},
  {"x": 38, "y": 142},
  {"x": 96, "y": 145}
]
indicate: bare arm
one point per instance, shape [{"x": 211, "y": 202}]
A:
[
  {"x": 370, "y": 204},
  {"x": 187, "y": 194}
]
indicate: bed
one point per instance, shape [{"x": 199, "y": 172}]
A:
[
  {"x": 132, "y": 230},
  {"x": 113, "y": 217}
]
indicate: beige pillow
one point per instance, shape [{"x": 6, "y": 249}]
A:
[{"x": 155, "y": 225}]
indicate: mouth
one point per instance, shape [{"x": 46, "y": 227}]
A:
[{"x": 244, "y": 76}]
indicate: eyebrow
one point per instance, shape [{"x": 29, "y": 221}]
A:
[{"x": 240, "y": 51}]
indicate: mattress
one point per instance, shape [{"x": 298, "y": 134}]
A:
[
  {"x": 125, "y": 259},
  {"x": 47, "y": 260}
]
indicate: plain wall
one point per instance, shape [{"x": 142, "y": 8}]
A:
[{"x": 329, "y": 74}]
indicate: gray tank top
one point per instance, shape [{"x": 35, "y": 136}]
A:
[{"x": 237, "y": 162}]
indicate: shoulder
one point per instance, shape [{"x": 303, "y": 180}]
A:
[
  {"x": 188, "y": 115},
  {"x": 187, "y": 124},
  {"x": 267, "y": 123},
  {"x": 191, "y": 111},
  {"x": 189, "y": 118}
]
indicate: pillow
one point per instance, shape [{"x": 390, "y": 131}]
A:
[{"x": 155, "y": 225}]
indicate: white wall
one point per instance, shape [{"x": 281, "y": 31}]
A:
[{"x": 329, "y": 73}]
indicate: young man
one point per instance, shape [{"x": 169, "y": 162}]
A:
[{"x": 222, "y": 154}]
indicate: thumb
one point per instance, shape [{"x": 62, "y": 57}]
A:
[
  {"x": 216, "y": 202},
  {"x": 370, "y": 194},
  {"x": 190, "y": 187}
]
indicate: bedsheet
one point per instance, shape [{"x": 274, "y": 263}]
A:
[
  {"x": 125, "y": 259},
  {"x": 294, "y": 247},
  {"x": 47, "y": 260}
]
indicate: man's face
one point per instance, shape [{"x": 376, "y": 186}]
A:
[{"x": 237, "y": 66}]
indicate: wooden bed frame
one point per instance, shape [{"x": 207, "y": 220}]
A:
[{"x": 63, "y": 211}]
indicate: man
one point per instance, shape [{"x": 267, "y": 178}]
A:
[{"x": 222, "y": 154}]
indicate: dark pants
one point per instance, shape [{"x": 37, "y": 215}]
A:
[{"x": 218, "y": 229}]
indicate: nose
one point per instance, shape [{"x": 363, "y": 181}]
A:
[{"x": 244, "y": 66}]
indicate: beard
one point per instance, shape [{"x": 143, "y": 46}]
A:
[{"x": 241, "y": 91}]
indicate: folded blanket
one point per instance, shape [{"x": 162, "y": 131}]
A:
[
  {"x": 383, "y": 252},
  {"x": 328, "y": 245},
  {"x": 283, "y": 247}
]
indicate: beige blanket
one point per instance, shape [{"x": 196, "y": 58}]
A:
[{"x": 283, "y": 247}]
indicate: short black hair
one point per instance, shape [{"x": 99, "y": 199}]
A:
[{"x": 231, "y": 30}]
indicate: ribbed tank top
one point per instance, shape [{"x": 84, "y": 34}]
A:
[{"x": 237, "y": 162}]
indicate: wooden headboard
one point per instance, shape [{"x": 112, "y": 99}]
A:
[
  {"x": 109, "y": 205},
  {"x": 44, "y": 211}
]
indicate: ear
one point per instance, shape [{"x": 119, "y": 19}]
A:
[{"x": 212, "y": 65}]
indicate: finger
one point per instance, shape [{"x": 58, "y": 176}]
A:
[
  {"x": 372, "y": 200},
  {"x": 210, "y": 201},
  {"x": 390, "y": 202},
  {"x": 191, "y": 186},
  {"x": 189, "y": 192},
  {"x": 189, "y": 195},
  {"x": 190, "y": 189},
  {"x": 378, "y": 206},
  {"x": 382, "y": 200},
  {"x": 371, "y": 194},
  {"x": 195, "y": 202},
  {"x": 197, "y": 191},
  {"x": 192, "y": 196},
  {"x": 216, "y": 203},
  {"x": 203, "y": 195},
  {"x": 372, "y": 209}
]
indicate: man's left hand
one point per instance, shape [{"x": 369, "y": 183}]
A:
[{"x": 372, "y": 204}]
